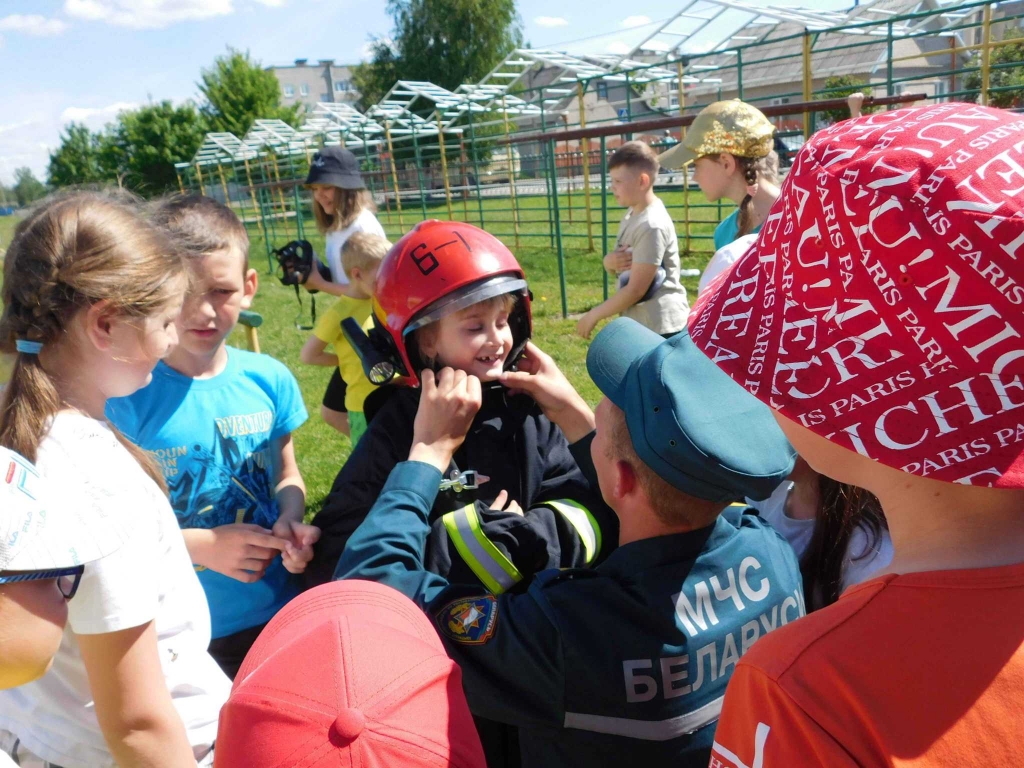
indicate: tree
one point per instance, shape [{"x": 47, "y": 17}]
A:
[
  {"x": 1006, "y": 74},
  {"x": 144, "y": 144},
  {"x": 239, "y": 91},
  {"x": 77, "y": 159},
  {"x": 27, "y": 188},
  {"x": 447, "y": 42},
  {"x": 839, "y": 87}
]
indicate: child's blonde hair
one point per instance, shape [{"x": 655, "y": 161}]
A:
[
  {"x": 72, "y": 251},
  {"x": 363, "y": 251},
  {"x": 348, "y": 204}
]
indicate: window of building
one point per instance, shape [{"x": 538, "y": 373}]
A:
[
  {"x": 602, "y": 90},
  {"x": 304, "y": 89},
  {"x": 289, "y": 91},
  {"x": 341, "y": 86}
]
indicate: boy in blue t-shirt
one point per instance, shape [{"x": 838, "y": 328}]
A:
[{"x": 219, "y": 420}]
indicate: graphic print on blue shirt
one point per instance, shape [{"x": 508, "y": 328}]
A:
[{"x": 215, "y": 441}]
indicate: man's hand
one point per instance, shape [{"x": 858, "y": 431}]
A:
[
  {"x": 539, "y": 377},
  {"x": 618, "y": 261},
  {"x": 448, "y": 404},
  {"x": 239, "y": 550},
  {"x": 503, "y": 504},
  {"x": 585, "y": 326},
  {"x": 299, "y": 539}
]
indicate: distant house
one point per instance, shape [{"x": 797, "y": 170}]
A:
[{"x": 308, "y": 84}]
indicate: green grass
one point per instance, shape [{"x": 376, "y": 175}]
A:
[
  {"x": 7, "y": 225},
  {"x": 320, "y": 450}
]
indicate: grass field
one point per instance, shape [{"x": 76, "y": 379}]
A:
[{"x": 321, "y": 451}]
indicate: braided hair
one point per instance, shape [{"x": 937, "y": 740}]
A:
[
  {"x": 72, "y": 251},
  {"x": 754, "y": 170}
]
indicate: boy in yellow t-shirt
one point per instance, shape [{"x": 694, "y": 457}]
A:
[{"x": 360, "y": 256}]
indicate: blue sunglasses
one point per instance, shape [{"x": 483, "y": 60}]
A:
[{"x": 67, "y": 578}]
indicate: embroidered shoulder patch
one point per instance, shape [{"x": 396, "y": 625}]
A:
[{"x": 469, "y": 620}]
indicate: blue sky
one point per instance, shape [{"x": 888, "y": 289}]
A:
[{"x": 85, "y": 60}]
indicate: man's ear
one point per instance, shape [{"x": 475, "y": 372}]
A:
[
  {"x": 252, "y": 282},
  {"x": 625, "y": 480},
  {"x": 97, "y": 322}
]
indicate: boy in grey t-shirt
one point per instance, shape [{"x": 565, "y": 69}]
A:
[{"x": 646, "y": 246}]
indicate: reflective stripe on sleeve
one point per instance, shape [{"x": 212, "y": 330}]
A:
[
  {"x": 494, "y": 570},
  {"x": 647, "y": 730},
  {"x": 583, "y": 522}
]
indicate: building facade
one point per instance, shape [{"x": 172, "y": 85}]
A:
[{"x": 308, "y": 83}]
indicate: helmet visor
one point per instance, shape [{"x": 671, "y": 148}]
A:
[{"x": 466, "y": 297}]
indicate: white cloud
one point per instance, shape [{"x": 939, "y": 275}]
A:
[
  {"x": 635, "y": 21},
  {"x": 32, "y": 24},
  {"x": 89, "y": 114},
  {"x": 271, "y": 3},
  {"x": 147, "y": 14},
  {"x": 619, "y": 47},
  {"x": 6, "y": 127},
  {"x": 551, "y": 21}
]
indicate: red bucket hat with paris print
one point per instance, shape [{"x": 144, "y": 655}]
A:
[{"x": 882, "y": 305}]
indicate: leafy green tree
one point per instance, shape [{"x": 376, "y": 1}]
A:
[
  {"x": 239, "y": 91},
  {"x": 27, "y": 188},
  {"x": 77, "y": 160},
  {"x": 144, "y": 144},
  {"x": 839, "y": 87},
  {"x": 447, "y": 42},
  {"x": 1006, "y": 73}
]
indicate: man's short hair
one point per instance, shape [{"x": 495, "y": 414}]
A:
[
  {"x": 363, "y": 250},
  {"x": 200, "y": 225},
  {"x": 636, "y": 156},
  {"x": 672, "y": 506}
]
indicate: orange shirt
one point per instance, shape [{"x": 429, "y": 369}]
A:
[{"x": 925, "y": 669}]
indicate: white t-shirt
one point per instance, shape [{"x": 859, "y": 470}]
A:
[
  {"x": 365, "y": 222},
  {"x": 149, "y": 578},
  {"x": 724, "y": 258},
  {"x": 861, "y": 562}
]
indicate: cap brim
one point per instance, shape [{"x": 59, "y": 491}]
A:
[
  {"x": 342, "y": 180},
  {"x": 50, "y": 530},
  {"x": 613, "y": 351},
  {"x": 676, "y": 157}
]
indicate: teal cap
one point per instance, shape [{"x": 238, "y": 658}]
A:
[{"x": 694, "y": 426}]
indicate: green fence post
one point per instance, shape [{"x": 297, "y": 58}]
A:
[
  {"x": 604, "y": 215},
  {"x": 558, "y": 234},
  {"x": 476, "y": 166},
  {"x": 547, "y": 176},
  {"x": 888, "y": 62},
  {"x": 739, "y": 74},
  {"x": 629, "y": 106}
]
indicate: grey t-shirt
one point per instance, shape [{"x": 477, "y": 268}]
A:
[{"x": 651, "y": 236}]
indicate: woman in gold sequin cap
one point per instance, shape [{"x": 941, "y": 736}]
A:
[{"x": 730, "y": 146}]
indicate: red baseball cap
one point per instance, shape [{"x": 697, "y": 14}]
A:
[
  {"x": 350, "y": 673},
  {"x": 881, "y": 305}
]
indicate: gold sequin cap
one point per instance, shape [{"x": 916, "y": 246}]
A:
[{"x": 733, "y": 127}]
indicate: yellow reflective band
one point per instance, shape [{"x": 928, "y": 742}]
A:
[
  {"x": 586, "y": 526},
  {"x": 495, "y": 571}
]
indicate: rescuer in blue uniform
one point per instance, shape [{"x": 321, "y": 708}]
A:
[{"x": 625, "y": 663}]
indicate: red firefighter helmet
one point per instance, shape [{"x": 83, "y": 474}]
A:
[{"x": 439, "y": 268}]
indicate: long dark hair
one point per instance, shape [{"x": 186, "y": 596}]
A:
[{"x": 841, "y": 510}]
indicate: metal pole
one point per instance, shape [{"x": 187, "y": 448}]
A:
[
  {"x": 558, "y": 236},
  {"x": 807, "y": 82},
  {"x": 266, "y": 234},
  {"x": 952, "y": 66},
  {"x": 476, "y": 167},
  {"x": 629, "y": 106},
  {"x": 739, "y": 74},
  {"x": 419, "y": 167},
  {"x": 465, "y": 179},
  {"x": 394, "y": 173},
  {"x": 585, "y": 147},
  {"x": 223, "y": 184},
  {"x": 568, "y": 171},
  {"x": 686, "y": 168},
  {"x": 604, "y": 214},
  {"x": 986, "y": 54},
  {"x": 280, "y": 192},
  {"x": 181, "y": 185},
  {"x": 252, "y": 192},
  {"x": 199, "y": 176},
  {"x": 444, "y": 167},
  {"x": 888, "y": 62},
  {"x": 511, "y": 174},
  {"x": 547, "y": 175}
]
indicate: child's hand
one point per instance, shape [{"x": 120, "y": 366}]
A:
[
  {"x": 855, "y": 101},
  {"x": 239, "y": 550},
  {"x": 502, "y": 503},
  {"x": 448, "y": 404},
  {"x": 585, "y": 326},
  {"x": 314, "y": 282},
  {"x": 618, "y": 261},
  {"x": 299, "y": 539}
]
